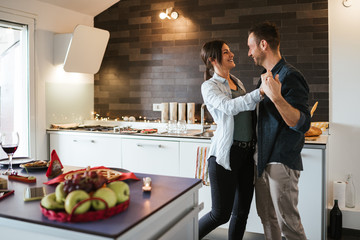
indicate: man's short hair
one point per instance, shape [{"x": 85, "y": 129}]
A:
[{"x": 267, "y": 31}]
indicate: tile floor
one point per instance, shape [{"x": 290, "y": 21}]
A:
[{"x": 347, "y": 235}]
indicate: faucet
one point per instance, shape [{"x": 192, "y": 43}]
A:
[{"x": 203, "y": 126}]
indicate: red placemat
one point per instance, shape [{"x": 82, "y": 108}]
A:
[{"x": 61, "y": 178}]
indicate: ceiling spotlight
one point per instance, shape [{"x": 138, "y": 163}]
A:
[
  {"x": 169, "y": 13},
  {"x": 164, "y": 15},
  {"x": 174, "y": 15}
]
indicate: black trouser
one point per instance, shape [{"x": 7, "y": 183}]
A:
[{"x": 231, "y": 193}]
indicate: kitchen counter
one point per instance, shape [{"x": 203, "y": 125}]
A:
[
  {"x": 191, "y": 134},
  {"x": 320, "y": 140},
  {"x": 172, "y": 204}
]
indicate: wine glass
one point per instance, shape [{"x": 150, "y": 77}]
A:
[{"x": 9, "y": 143}]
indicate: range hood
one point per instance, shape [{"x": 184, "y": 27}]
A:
[{"x": 83, "y": 49}]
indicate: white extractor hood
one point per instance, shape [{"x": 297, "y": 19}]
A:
[{"x": 82, "y": 51}]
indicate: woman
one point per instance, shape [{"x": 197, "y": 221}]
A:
[{"x": 231, "y": 164}]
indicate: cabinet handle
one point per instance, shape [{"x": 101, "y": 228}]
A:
[
  {"x": 149, "y": 145},
  {"x": 75, "y": 140}
]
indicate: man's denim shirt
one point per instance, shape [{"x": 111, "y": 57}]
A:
[
  {"x": 217, "y": 97},
  {"x": 277, "y": 142}
]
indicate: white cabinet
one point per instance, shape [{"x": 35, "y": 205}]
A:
[
  {"x": 311, "y": 196},
  {"x": 82, "y": 149},
  {"x": 151, "y": 156},
  {"x": 311, "y": 189}
]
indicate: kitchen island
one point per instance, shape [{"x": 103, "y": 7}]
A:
[{"x": 169, "y": 211}]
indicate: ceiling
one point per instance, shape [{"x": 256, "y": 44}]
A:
[{"x": 88, "y": 7}]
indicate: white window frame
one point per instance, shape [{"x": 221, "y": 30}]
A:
[{"x": 29, "y": 20}]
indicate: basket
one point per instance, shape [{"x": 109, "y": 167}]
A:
[
  {"x": 108, "y": 173},
  {"x": 89, "y": 216}
]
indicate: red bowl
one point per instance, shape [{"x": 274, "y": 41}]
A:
[{"x": 89, "y": 216}]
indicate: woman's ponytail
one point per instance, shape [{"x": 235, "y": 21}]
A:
[{"x": 207, "y": 74}]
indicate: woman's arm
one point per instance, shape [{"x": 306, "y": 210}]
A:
[{"x": 217, "y": 98}]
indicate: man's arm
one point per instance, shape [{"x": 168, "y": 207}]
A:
[{"x": 272, "y": 88}]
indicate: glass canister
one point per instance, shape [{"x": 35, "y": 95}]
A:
[{"x": 350, "y": 192}]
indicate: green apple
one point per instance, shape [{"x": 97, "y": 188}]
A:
[
  {"x": 49, "y": 202},
  {"x": 60, "y": 193},
  {"x": 121, "y": 189},
  {"x": 107, "y": 195},
  {"x": 73, "y": 198}
]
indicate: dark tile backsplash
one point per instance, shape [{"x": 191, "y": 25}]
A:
[{"x": 149, "y": 60}]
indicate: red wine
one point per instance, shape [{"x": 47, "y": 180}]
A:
[
  {"x": 9, "y": 149},
  {"x": 335, "y": 221}
]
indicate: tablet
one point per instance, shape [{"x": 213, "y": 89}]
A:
[{"x": 34, "y": 193}]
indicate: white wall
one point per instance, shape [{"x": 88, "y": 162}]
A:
[
  {"x": 344, "y": 143},
  {"x": 50, "y": 82}
]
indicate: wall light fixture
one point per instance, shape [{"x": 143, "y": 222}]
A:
[
  {"x": 347, "y": 3},
  {"x": 169, "y": 13}
]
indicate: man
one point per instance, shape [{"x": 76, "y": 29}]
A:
[{"x": 283, "y": 118}]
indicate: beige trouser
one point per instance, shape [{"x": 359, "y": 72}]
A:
[{"x": 276, "y": 193}]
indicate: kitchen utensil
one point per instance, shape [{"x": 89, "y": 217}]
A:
[
  {"x": 164, "y": 112},
  {"x": 173, "y": 111},
  {"x": 191, "y": 112},
  {"x": 182, "y": 111}
]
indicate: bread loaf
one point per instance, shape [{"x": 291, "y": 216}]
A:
[{"x": 313, "y": 131}]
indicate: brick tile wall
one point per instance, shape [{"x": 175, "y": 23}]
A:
[{"x": 149, "y": 60}]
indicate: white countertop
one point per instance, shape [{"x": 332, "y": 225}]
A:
[{"x": 192, "y": 129}]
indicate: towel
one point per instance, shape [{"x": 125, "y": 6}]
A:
[{"x": 202, "y": 171}]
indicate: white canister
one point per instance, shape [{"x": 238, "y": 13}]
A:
[
  {"x": 173, "y": 111},
  {"x": 164, "y": 112},
  {"x": 191, "y": 113},
  {"x": 182, "y": 111}
]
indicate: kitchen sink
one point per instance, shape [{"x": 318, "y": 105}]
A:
[
  {"x": 189, "y": 133},
  {"x": 205, "y": 134}
]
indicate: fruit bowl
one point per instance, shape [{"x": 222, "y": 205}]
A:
[
  {"x": 111, "y": 175},
  {"x": 89, "y": 216}
]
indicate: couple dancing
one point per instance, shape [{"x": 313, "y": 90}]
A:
[{"x": 255, "y": 147}]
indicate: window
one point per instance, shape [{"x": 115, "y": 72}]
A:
[{"x": 15, "y": 80}]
